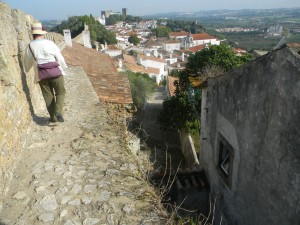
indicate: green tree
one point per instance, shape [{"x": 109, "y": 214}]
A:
[
  {"x": 179, "y": 111},
  {"x": 175, "y": 73},
  {"x": 216, "y": 57},
  {"x": 162, "y": 31},
  {"x": 131, "y": 19},
  {"x": 286, "y": 32},
  {"x": 141, "y": 87},
  {"x": 133, "y": 38},
  {"x": 114, "y": 18},
  {"x": 181, "y": 25},
  {"x": 76, "y": 25}
]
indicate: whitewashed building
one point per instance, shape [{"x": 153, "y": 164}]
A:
[{"x": 154, "y": 62}]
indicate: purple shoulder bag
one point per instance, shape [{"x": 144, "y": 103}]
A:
[{"x": 47, "y": 70}]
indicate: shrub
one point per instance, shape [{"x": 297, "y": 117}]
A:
[{"x": 142, "y": 86}]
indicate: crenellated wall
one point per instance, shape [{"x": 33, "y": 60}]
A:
[{"x": 19, "y": 95}]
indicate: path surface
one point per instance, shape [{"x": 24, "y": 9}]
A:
[
  {"x": 190, "y": 190},
  {"x": 158, "y": 140},
  {"x": 79, "y": 171}
]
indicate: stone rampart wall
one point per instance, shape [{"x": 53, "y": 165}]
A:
[
  {"x": 56, "y": 38},
  {"x": 19, "y": 95}
]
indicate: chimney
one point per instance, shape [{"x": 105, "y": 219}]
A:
[
  {"x": 155, "y": 53},
  {"x": 182, "y": 57},
  {"x": 138, "y": 59},
  {"x": 67, "y": 37},
  {"x": 120, "y": 63}
]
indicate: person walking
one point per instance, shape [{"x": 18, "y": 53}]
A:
[{"x": 49, "y": 64}]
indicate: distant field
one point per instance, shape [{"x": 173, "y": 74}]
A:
[
  {"x": 294, "y": 38},
  {"x": 250, "y": 42},
  {"x": 253, "y": 40},
  {"x": 289, "y": 19}
]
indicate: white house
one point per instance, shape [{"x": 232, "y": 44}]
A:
[
  {"x": 204, "y": 38},
  {"x": 188, "y": 40},
  {"x": 171, "y": 45},
  {"x": 154, "y": 62},
  {"x": 151, "y": 47},
  {"x": 113, "y": 52},
  {"x": 171, "y": 60},
  {"x": 131, "y": 64}
]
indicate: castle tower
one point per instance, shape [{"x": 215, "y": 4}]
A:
[{"x": 124, "y": 12}]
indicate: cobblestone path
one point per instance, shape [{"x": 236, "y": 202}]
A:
[
  {"x": 163, "y": 142},
  {"x": 79, "y": 171}
]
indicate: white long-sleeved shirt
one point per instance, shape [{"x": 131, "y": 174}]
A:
[{"x": 44, "y": 51}]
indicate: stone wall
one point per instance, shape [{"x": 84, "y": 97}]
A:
[
  {"x": 58, "y": 39},
  {"x": 253, "y": 114},
  {"x": 19, "y": 96},
  {"x": 188, "y": 149}
]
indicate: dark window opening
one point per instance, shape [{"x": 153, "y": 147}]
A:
[{"x": 225, "y": 159}]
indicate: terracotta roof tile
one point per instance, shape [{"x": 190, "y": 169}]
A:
[
  {"x": 152, "y": 58},
  {"x": 152, "y": 70},
  {"x": 197, "y": 48},
  {"x": 131, "y": 64},
  {"x": 239, "y": 50},
  {"x": 151, "y": 43},
  {"x": 181, "y": 33},
  {"x": 203, "y": 36},
  {"x": 172, "y": 41},
  {"x": 294, "y": 44},
  {"x": 109, "y": 85}
]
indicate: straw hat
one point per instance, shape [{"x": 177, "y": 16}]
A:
[{"x": 37, "y": 28}]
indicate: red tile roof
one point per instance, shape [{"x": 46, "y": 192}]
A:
[
  {"x": 203, "y": 36},
  {"x": 197, "y": 48},
  {"x": 109, "y": 85},
  {"x": 130, "y": 64},
  {"x": 172, "y": 41},
  {"x": 181, "y": 33},
  {"x": 156, "y": 59},
  {"x": 239, "y": 50},
  {"x": 151, "y": 43},
  {"x": 294, "y": 44}
]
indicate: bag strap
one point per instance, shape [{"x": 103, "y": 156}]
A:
[{"x": 31, "y": 52}]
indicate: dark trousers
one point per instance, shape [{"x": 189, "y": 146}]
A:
[{"x": 54, "y": 91}]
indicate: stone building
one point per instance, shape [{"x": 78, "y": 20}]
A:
[{"x": 250, "y": 140}]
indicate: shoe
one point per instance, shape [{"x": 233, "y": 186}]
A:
[
  {"x": 52, "y": 120},
  {"x": 59, "y": 117}
]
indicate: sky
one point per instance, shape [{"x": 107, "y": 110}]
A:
[{"x": 62, "y": 9}]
